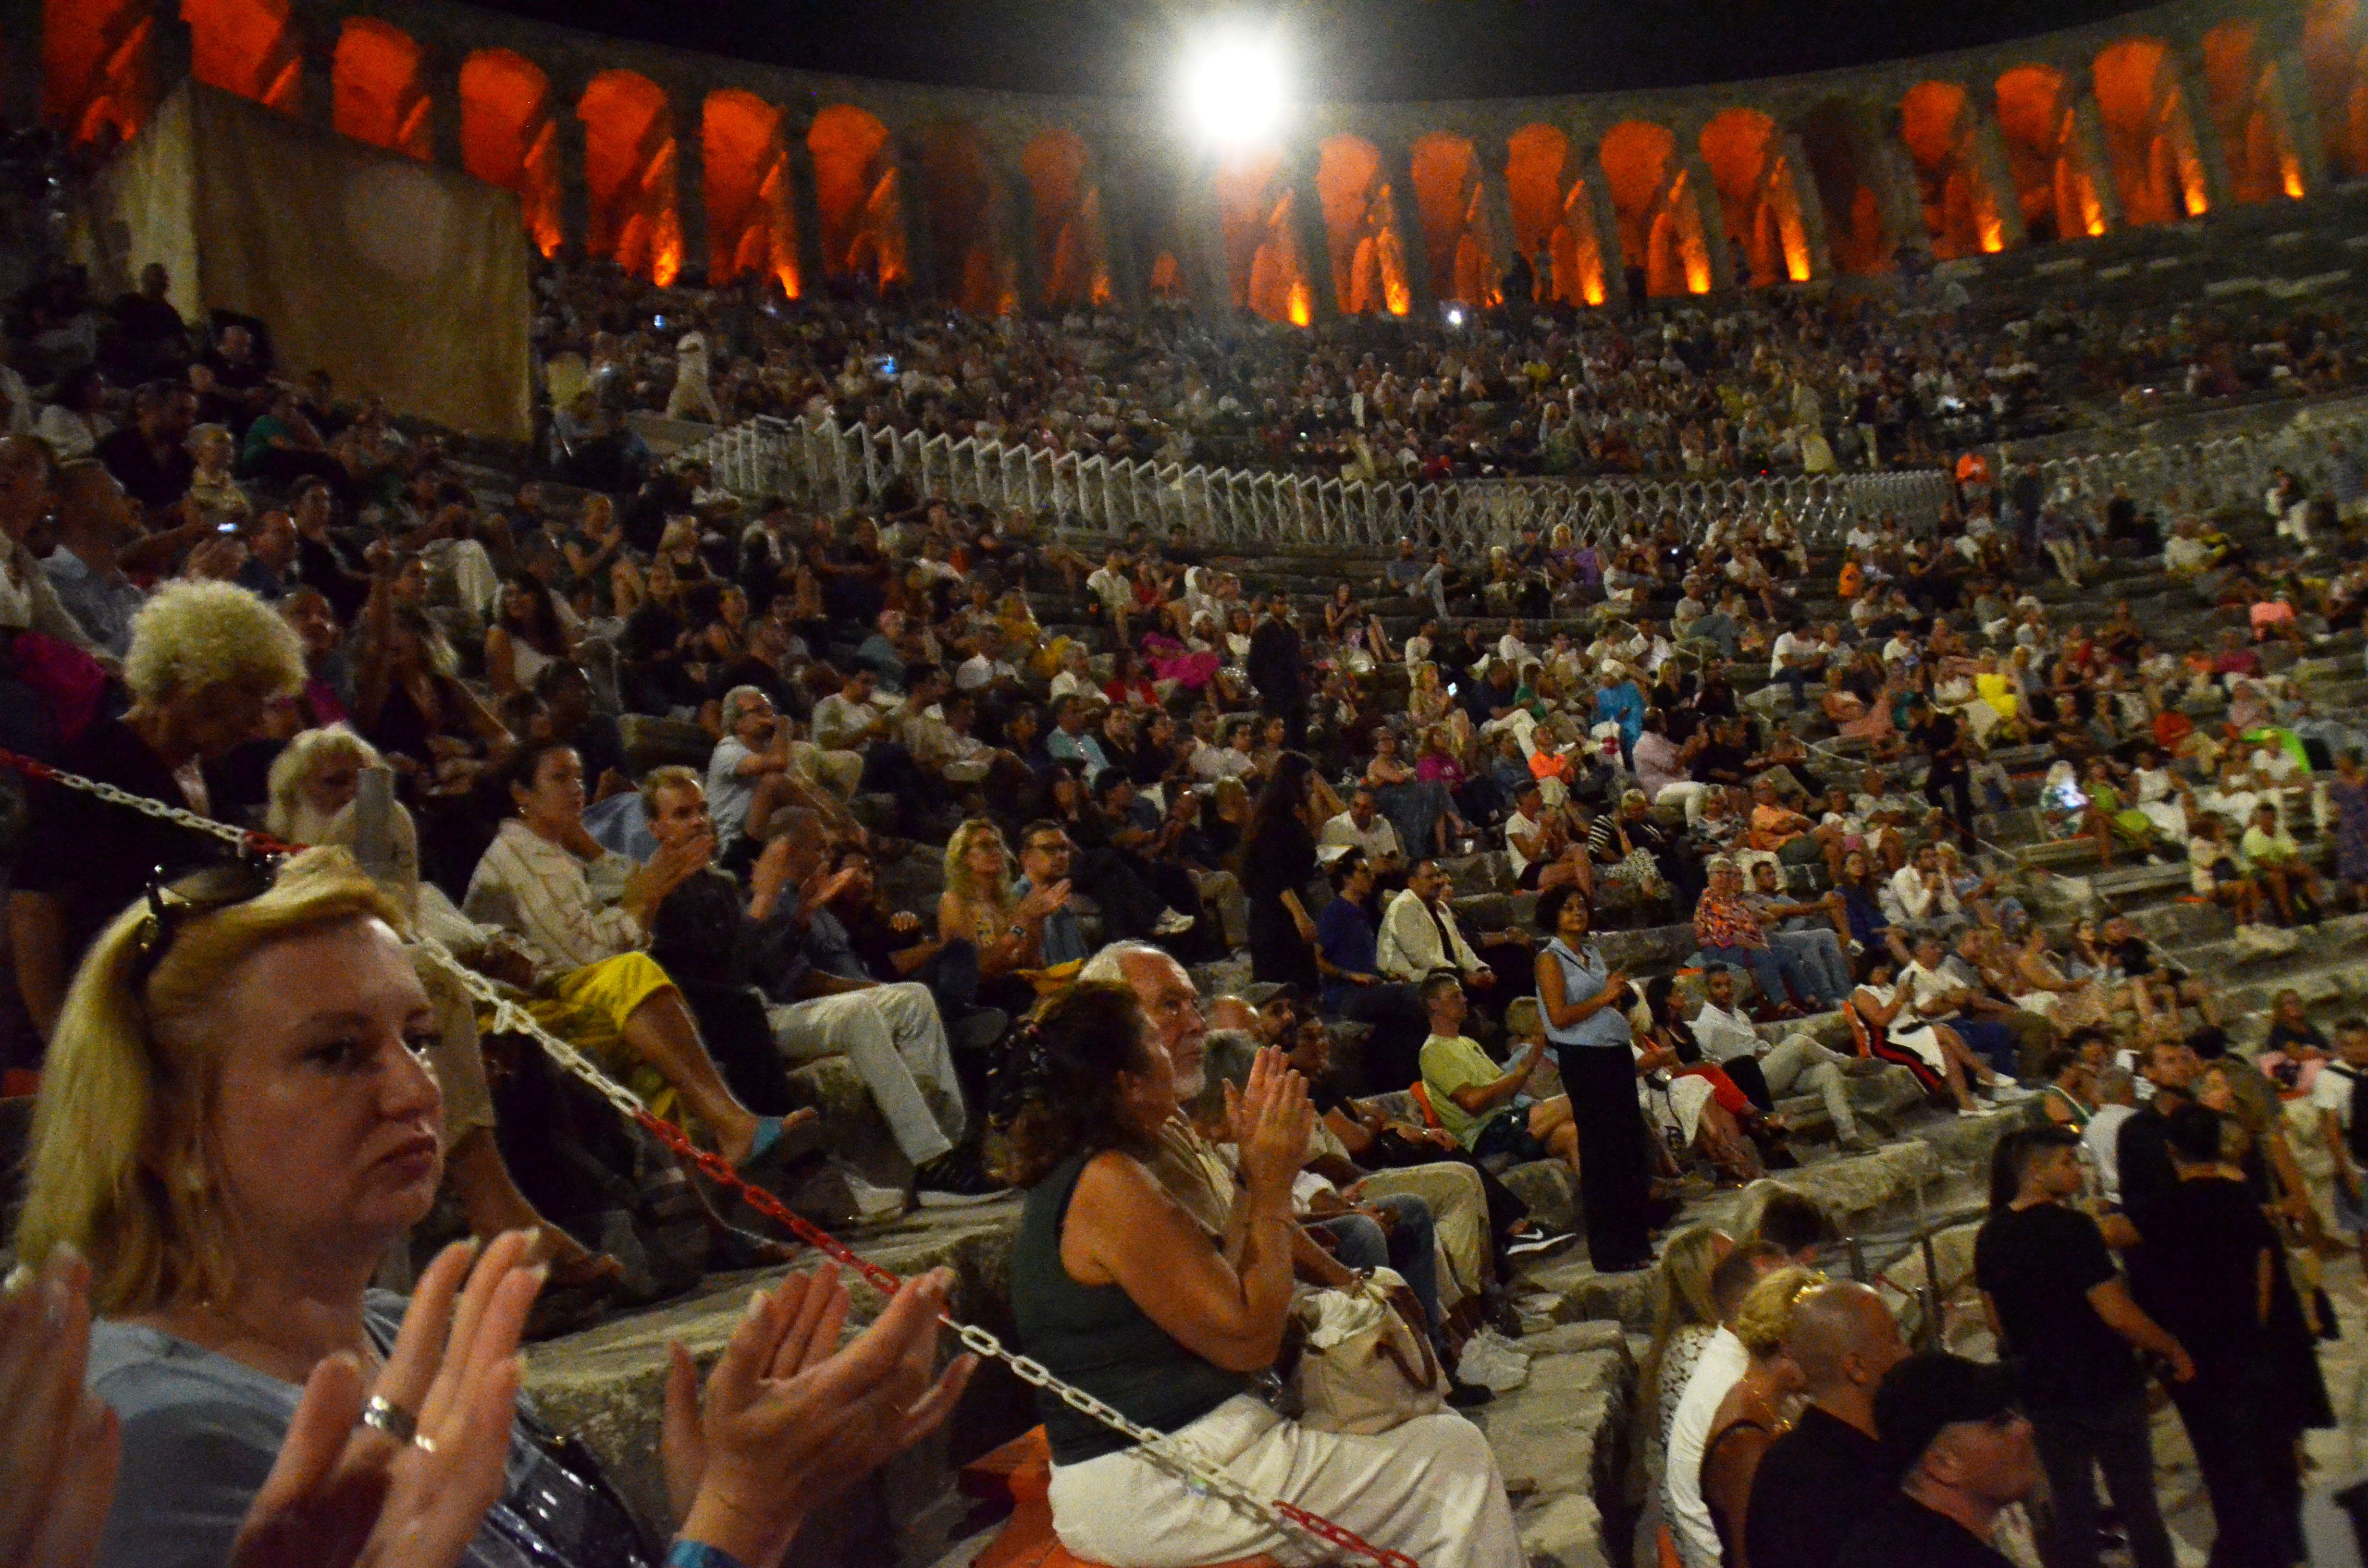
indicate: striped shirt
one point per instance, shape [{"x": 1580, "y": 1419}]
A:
[{"x": 528, "y": 885}]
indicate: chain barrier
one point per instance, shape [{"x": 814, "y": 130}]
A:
[{"x": 508, "y": 1017}]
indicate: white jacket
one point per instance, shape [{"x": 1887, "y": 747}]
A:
[{"x": 1409, "y": 946}]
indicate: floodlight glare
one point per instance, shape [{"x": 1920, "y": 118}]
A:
[{"x": 1233, "y": 83}]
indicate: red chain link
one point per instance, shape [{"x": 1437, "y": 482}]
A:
[{"x": 708, "y": 1163}]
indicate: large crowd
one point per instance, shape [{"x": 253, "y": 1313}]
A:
[
  {"x": 236, "y": 590},
  {"x": 1847, "y": 379}
]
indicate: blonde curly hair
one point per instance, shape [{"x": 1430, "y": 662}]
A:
[
  {"x": 196, "y": 635},
  {"x": 1765, "y": 1319}
]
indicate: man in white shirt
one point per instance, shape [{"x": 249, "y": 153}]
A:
[
  {"x": 1796, "y": 660},
  {"x": 1362, "y": 828},
  {"x": 848, "y": 718},
  {"x": 1114, "y": 590},
  {"x": 1723, "y": 1362},
  {"x": 2117, "y": 1096},
  {"x": 1230, "y": 760},
  {"x": 1419, "y": 936},
  {"x": 1796, "y": 1064}
]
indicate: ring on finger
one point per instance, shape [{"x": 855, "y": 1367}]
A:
[{"x": 383, "y": 1415}]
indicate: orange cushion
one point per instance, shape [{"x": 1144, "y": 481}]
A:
[{"x": 1022, "y": 1471}]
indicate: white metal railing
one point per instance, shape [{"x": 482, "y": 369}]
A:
[
  {"x": 834, "y": 468},
  {"x": 2195, "y": 477}
]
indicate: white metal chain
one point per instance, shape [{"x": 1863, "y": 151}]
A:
[{"x": 509, "y": 1018}]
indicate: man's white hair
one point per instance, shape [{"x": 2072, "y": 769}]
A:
[
  {"x": 1108, "y": 967},
  {"x": 739, "y": 699}
]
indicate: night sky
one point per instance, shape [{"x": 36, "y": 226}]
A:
[{"x": 1346, "y": 49}]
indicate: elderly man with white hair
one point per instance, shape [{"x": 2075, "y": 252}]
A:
[{"x": 758, "y": 767}]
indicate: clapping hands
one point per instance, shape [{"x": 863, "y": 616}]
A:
[{"x": 1270, "y": 1119}]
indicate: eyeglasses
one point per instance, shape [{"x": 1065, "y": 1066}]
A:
[{"x": 170, "y": 908}]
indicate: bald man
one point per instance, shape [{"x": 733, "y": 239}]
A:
[{"x": 1823, "y": 1476}]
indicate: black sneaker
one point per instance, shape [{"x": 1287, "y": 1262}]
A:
[
  {"x": 954, "y": 1180},
  {"x": 1461, "y": 1395}
]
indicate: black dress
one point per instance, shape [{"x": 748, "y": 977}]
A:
[{"x": 1280, "y": 859}]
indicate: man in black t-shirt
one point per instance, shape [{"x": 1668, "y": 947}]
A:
[
  {"x": 1962, "y": 1452},
  {"x": 2068, "y": 1327},
  {"x": 1819, "y": 1479},
  {"x": 2141, "y": 1149}
]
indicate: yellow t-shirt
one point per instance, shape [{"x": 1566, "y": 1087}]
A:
[{"x": 1449, "y": 1063}]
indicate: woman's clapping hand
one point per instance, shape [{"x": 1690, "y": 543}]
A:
[
  {"x": 788, "y": 1420},
  {"x": 59, "y": 1446},
  {"x": 348, "y": 1495}
]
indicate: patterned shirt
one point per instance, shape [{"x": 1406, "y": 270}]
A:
[{"x": 1726, "y": 922}]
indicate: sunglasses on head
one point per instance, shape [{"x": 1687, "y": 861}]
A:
[{"x": 172, "y": 906}]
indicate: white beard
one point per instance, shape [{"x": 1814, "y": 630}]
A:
[{"x": 1188, "y": 1089}]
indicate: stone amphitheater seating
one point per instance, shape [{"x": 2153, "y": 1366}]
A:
[{"x": 1563, "y": 1438}]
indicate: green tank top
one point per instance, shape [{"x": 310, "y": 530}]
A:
[{"x": 1095, "y": 1337}]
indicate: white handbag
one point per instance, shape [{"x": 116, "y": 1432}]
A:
[{"x": 1366, "y": 1367}]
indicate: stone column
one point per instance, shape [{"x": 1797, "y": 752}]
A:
[
  {"x": 1118, "y": 215},
  {"x": 2195, "y": 101},
  {"x": 439, "y": 79},
  {"x": 1987, "y": 143},
  {"x": 1608, "y": 250},
  {"x": 1312, "y": 234},
  {"x": 316, "y": 82},
  {"x": 904, "y": 154},
  {"x": 574, "y": 183},
  {"x": 1711, "y": 214},
  {"x": 2088, "y": 145},
  {"x": 1883, "y": 160},
  {"x": 687, "y": 105},
  {"x": 2286, "y": 80},
  {"x": 1015, "y": 212},
  {"x": 1493, "y": 155},
  {"x": 169, "y": 50},
  {"x": 805, "y": 205},
  {"x": 1812, "y": 204},
  {"x": 1414, "y": 245},
  {"x": 1201, "y": 242}
]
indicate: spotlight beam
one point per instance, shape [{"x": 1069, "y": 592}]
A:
[{"x": 1234, "y": 87}]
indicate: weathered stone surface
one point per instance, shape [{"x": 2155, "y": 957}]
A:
[
  {"x": 852, "y": 1125},
  {"x": 1545, "y": 1186},
  {"x": 606, "y": 1385},
  {"x": 1566, "y": 1532}
]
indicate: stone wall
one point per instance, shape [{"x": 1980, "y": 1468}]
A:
[{"x": 1001, "y": 201}]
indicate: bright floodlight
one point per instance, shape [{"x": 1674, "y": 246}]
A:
[{"x": 1234, "y": 87}]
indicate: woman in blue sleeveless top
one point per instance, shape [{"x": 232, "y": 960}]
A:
[{"x": 1581, "y": 996}]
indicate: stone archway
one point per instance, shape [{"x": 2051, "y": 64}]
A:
[
  {"x": 629, "y": 157},
  {"x": 859, "y": 194},
  {"x": 751, "y": 221},
  {"x": 1758, "y": 197},
  {"x": 1660, "y": 226},
  {"x": 2148, "y": 139},
  {"x": 96, "y": 72},
  {"x": 976, "y": 260},
  {"x": 1445, "y": 170},
  {"x": 509, "y": 139},
  {"x": 1072, "y": 248},
  {"x": 377, "y": 96},
  {"x": 247, "y": 47},
  {"x": 1361, "y": 229}
]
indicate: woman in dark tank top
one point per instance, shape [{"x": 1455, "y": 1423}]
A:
[{"x": 1119, "y": 1291}]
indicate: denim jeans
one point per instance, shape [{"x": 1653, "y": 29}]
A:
[
  {"x": 1408, "y": 1246},
  {"x": 1773, "y": 967}
]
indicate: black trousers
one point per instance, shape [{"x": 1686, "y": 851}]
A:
[
  {"x": 2247, "y": 1455},
  {"x": 2073, "y": 1445},
  {"x": 1615, "y": 1180}
]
